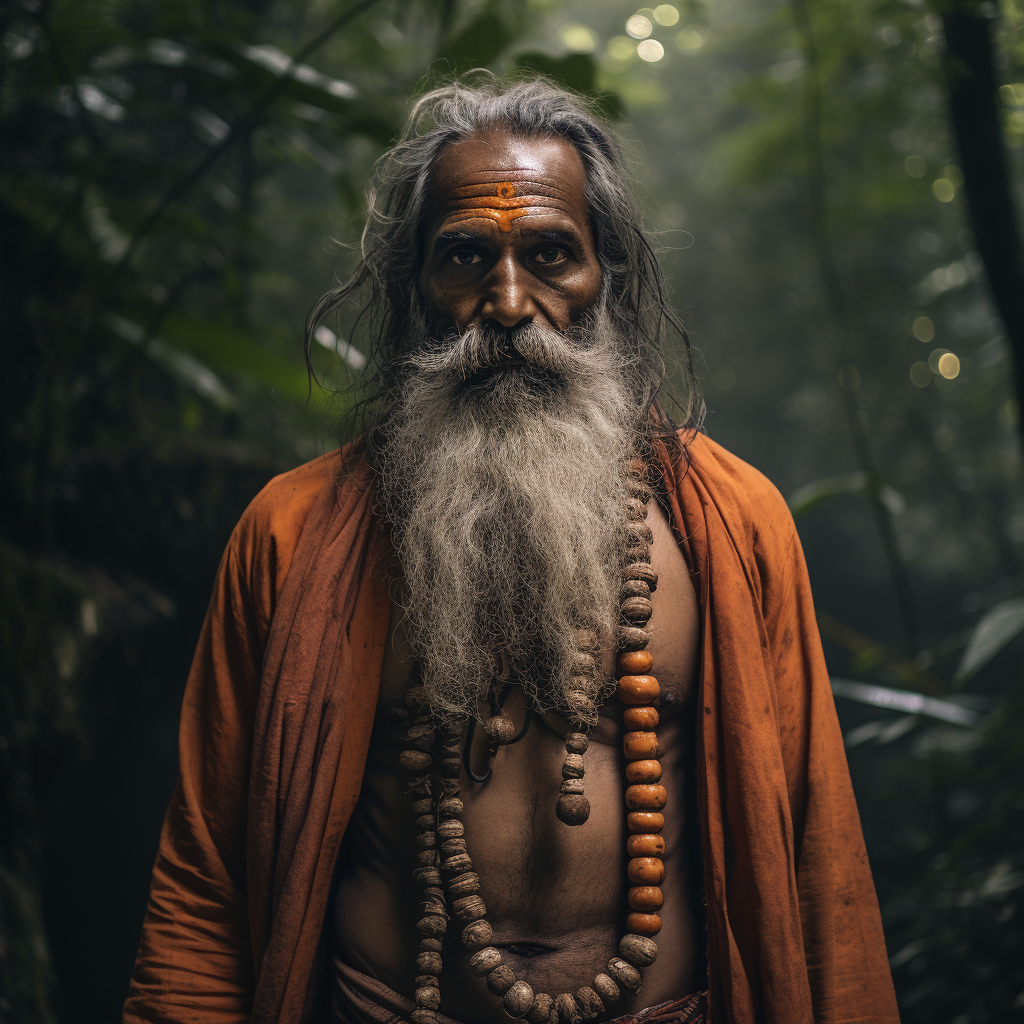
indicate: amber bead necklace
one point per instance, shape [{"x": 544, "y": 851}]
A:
[{"x": 451, "y": 889}]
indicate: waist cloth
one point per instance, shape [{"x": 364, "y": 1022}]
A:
[{"x": 356, "y": 998}]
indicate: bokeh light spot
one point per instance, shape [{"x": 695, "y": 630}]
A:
[
  {"x": 849, "y": 378},
  {"x": 943, "y": 190},
  {"x": 920, "y": 375},
  {"x": 953, "y": 175},
  {"x": 923, "y": 329},
  {"x": 650, "y": 50},
  {"x": 666, "y": 14},
  {"x": 578, "y": 38},
  {"x": 914, "y": 166},
  {"x": 724, "y": 377},
  {"x": 949, "y": 365},
  {"x": 689, "y": 40},
  {"x": 639, "y": 27},
  {"x": 621, "y": 48},
  {"x": 1012, "y": 94}
]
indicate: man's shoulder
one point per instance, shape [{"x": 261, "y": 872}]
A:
[
  {"x": 749, "y": 504},
  {"x": 270, "y": 528}
]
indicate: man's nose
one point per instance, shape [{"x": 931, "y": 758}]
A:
[{"x": 508, "y": 299}]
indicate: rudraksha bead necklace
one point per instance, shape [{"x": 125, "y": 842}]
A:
[{"x": 445, "y": 871}]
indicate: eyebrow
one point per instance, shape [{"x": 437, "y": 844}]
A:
[{"x": 446, "y": 238}]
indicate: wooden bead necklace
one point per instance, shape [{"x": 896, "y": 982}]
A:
[{"x": 445, "y": 871}]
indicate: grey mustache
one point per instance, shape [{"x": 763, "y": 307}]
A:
[{"x": 480, "y": 348}]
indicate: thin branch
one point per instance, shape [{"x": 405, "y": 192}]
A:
[
  {"x": 836, "y": 298},
  {"x": 243, "y": 125}
]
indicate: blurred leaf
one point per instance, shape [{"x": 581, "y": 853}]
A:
[
  {"x": 998, "y": 626},
  {"x": 869, "y": 653},
  {"x": 813, "y": 494},
  {"x": 235, "y": 352},
  {"x": 184, "y": 368},
  {"x": 882, "y": 730},
  {"x": 576, "y": 71},
  {"x": 906, "y": 701},
  {"x": 478, "y": 44}
]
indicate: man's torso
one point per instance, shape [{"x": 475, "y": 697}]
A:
[{"x": 555, "y": 895}]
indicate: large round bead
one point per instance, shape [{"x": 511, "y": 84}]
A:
[
  {"x": 428, "y": 963},
  {"x": 500, "y": 729},
  {"x": 572, "y": 808},
  {"x": 470, "y": 908},
  {"x": 637, "y": 610},
  {"x": 639, "y": 689},
  {"x": 477, "y": 934},
  {"x": 589, "y": 1002},
  {"x": 645, "y": 846},
  {"x": 638, "y": 950},
  {"x": 501, "y": 979},
  {"x": 467, "y": 884},
  {"x": 645, "y": 821},
  {"x": 449, "y": 807},
  {"x": 634, "y": 588},
  {"x": 624, "y": 973},
  {"x": 483, "y": 961},
  {"x": 461, "y": 863},
  {"x": 643, "y": 771},
  {"x": 541, "y": 1009},
  {"x": 428, "y": 998},
  {"x": 640, "y": 718},
  {"x": 646, "y": 798},
  {"x": 576, "y": 742},
  {"x": 646, "y": 898},
  {"x": 433, "y": 926},
  {"x": 450, "y": 828},
  {"x": 452, "y": 847},
  {"x": 566, "y": 1009},
  {"x": 606, "y": 988},
  {"x": 646, "y": 870},
  {"x": 635, "y": 662},
  {"x": 643, "y": 924},
  {"x": 640, "y": 746},
  {"x": 642, "y": 571},
  {"x": 518, "y": 999}
]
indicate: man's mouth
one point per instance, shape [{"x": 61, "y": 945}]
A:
[{"x": 530, "y": 374}]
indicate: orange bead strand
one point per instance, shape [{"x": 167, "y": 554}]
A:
[{"x": 639, "y": 691}]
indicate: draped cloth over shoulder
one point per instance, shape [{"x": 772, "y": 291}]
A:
[{"x": 276, "y": 724}]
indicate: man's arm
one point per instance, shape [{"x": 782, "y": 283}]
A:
[
  {"x": 195, "y": 959},
  {"x": 845, "y": 950}
]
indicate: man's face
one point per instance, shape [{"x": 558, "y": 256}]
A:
[{"x": 511, "y": 242}]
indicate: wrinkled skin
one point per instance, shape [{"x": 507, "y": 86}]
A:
[{"x": 556, "y": 896}]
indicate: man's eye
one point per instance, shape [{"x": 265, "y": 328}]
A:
[
  {"x": 549, "y": 256},
  {"x": 465, "y": 258}
]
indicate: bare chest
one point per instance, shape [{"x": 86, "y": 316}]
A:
[{"x": 555, "y": 895}]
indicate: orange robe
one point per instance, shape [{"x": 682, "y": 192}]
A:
[{"x": 276, "y": 724}]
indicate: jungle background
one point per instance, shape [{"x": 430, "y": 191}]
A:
[{"x": 835, "y": 185}]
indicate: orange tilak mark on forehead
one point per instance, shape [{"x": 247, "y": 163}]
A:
[{"x": 501, "y": 206}]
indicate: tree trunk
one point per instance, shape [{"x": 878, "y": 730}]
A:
[{"x": 972, "y": 88}]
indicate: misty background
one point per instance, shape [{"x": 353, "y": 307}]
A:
[{"x": 835, "y": 186}]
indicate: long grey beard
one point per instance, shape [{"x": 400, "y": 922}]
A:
[{"x": 505, "y": 492}]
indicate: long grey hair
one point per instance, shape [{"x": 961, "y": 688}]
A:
[{"x": 633, "y": 293}]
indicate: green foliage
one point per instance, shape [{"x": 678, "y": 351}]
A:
[
  {"x": 175, "y": 192},
  {"x": 177, "y": 183}
]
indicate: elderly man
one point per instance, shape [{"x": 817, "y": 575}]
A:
[{"x": 514, "y": 708}]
